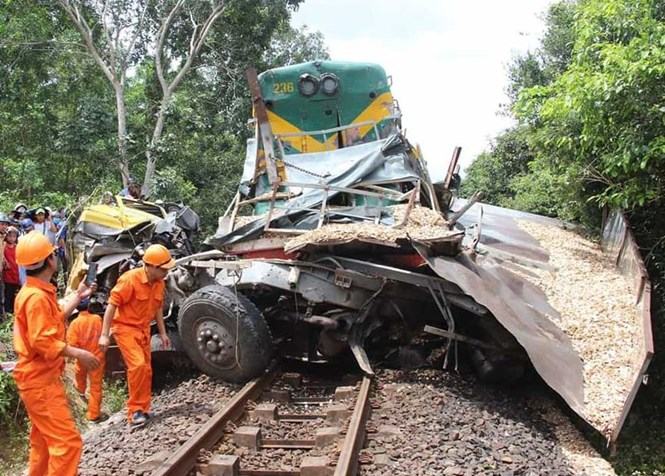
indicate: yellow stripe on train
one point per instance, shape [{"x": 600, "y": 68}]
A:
[{"x": 378, "y": 110}]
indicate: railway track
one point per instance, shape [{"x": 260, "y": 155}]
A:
[{"x": 280, "y": 424}]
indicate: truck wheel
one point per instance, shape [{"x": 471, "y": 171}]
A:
[
  {"x": 225, "y": 336},
  {"x": 496, "y": 368}
]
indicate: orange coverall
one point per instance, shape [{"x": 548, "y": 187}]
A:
[
  {"x": 137, "y": 301},
  {"x": 84, "y": 332},
  {"x": 39, "y": 340}
]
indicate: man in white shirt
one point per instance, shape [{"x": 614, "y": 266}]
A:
[{"x": 44, "y": 225}]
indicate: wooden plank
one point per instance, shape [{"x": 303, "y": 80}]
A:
[
  {"x": 354, "y": 191},
  {"x": 256, "y": 245},
  {"x": 265, "y": 130},
  {"x": 218, "y": 264},
  {"x": 409, "y": 207},
  {"x": 454, "y": 160}
]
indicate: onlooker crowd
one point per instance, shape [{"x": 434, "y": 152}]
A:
[
  {"x": 20, "y": 221},
  {"x": 48, "y": 222}
]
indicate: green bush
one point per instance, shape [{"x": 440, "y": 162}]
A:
[
  {"x": 11, "y": 412},
  {"x": 13, "y": 421},
  {"x": 114, "y": 395},
  {"x": 9, "y": 399}
]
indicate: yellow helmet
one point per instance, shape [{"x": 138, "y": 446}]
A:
[
  {"x": 159, "y": 256},
  {"x": 33, "y": 249}
]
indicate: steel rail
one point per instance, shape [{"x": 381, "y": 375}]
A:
[
  {"x": 184, "y": 459},
  {"x": 347, "y": 464}
]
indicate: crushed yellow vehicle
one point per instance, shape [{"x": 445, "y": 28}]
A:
[{"x": 113, "y": 235}]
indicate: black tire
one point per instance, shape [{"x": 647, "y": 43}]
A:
[
  {"x": 496, "y": 368},
  {"x": 225, "y": 337}
]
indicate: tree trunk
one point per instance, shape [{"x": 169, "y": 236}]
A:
[
  {"x": 199, "y": 34},
  {"x": 123, "y": 163},
  {"x": 151, "y": 156}
]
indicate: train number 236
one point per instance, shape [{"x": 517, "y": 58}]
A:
[{"x": 283, "y": 88}]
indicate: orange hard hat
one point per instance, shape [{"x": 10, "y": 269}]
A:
[
  {"x": 158, "y": 255},
  {"x": 33, "y": 249}
]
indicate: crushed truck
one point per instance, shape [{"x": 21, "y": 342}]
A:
[{"x": 338, "y": 243}]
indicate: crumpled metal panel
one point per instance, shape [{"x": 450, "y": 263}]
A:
[
  {"x": 619, "y": 242},
  {"x": 499, "y": 230},
  {"x": 521, "y": 308},
  {"x": 372, "y": 163}
]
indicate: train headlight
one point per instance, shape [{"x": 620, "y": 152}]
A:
[
  {"x": 329, "y": 84},
  {"x": 308, "y": 85}
]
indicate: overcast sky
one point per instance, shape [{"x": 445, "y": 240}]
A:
[{"x": 447, "y": 59}]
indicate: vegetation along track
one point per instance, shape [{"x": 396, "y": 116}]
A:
[{"x": 281, "y": 424}]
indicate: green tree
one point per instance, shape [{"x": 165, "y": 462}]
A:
[
  {"x": 493, "y": 172},
  {"x": 295, "y": 45},
  {"x": 55, "y": 119},
  {"x": 174, "y": 37},
  {"x": 508, "y": 173},
  {"x": 541, "y": 66},
  {"x": 204, "y": 140},
  {"x": 604, "y": 115},
  {"x": 59, "y": 125}
]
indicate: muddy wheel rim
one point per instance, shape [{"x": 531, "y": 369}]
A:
[{"x": 215, "y": 343}]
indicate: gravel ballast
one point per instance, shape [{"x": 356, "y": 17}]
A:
[
  {"x": 112, "y": 448},
  {"x": 432, "y": 422},
  {"x": 423, "y": 422}
]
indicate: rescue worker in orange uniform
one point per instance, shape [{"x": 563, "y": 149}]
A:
[
  {"x": 84, "y": 332},
  {"x": 136, "y": 300},
  {"x": 39, "y": 341}
]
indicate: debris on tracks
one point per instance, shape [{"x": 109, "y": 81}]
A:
[{"x": 606, "y": 331}]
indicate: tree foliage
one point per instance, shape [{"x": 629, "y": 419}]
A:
[
  {"x": 590, "y": 106},
  {"x": 542, "y": 66},
  {"x": 57, "y": 125},
  {"x": 512, "y": 173},
  {"x": 495, "y": 171},
  {"x": 58, "y": 111},
  {"x": 590, "y": 109}
]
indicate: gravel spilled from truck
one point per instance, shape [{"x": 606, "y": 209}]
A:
[{"x": 605, "y": 330}]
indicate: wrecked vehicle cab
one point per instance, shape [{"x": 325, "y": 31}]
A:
[
  {"x": 113, "y": 235},
  {"x": 318, "y": 238}
]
